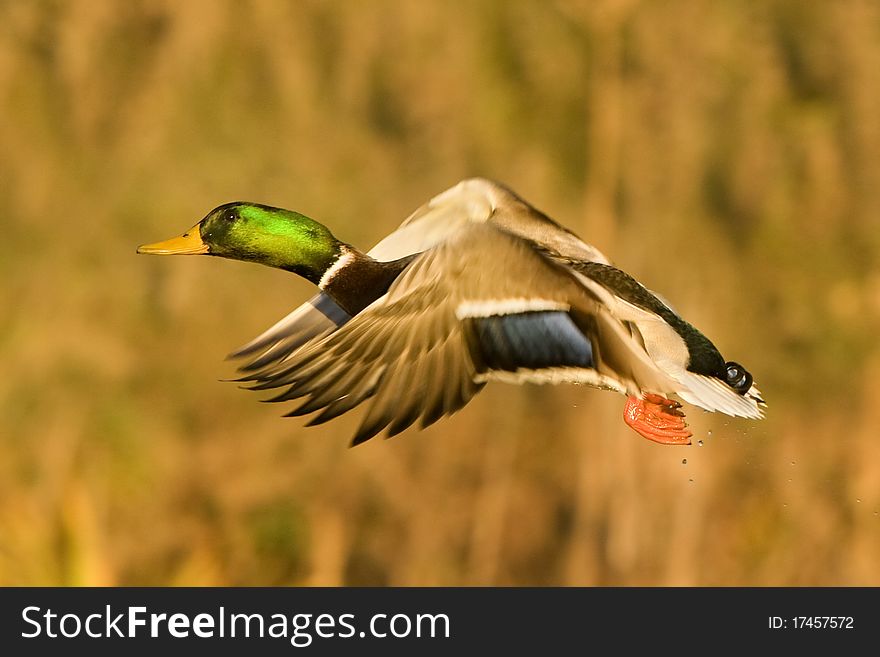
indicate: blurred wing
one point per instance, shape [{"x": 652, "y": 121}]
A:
[
  {"x": 437, "y": 221},
  {"x": 478, "y": 200},
  {"x": 316, "y": 318},
  {"x": 481, "y": 302}
]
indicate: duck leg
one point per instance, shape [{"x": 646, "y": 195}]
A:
[{"x": 658, "y": 419}]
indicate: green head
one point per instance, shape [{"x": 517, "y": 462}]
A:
[{"x": 258, "y": 233}]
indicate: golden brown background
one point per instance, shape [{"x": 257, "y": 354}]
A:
[{"x": 726, "y": 153}]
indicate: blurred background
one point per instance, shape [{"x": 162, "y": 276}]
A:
[{"x": 725, "y": 153}]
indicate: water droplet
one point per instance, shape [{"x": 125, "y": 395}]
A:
[
  {"x": 699, "y": 443},
  {"x": 690, "y": 481},
  {"x": 789, "y": 481},
  {"x": 792, "y": 462},
  {"x": 709, "y": 433},
  {"x": 684, "y": 461},
  {"x": 858, "y": 500},
  {"x": 785, "y": 506}
]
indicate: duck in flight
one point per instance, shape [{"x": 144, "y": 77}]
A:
[{"x": 475, "y": 286}]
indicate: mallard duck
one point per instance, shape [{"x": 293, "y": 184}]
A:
[{"x": 475, "y": 286}]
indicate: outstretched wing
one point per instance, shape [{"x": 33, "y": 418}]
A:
[{"x": 479, "y": 304}]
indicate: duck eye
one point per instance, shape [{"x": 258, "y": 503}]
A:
[
  {"x": 229, "y": 215},
  {"x": 738, "y": 378}
]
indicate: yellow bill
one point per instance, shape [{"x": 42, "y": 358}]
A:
[{"x": 190, "y": 243}]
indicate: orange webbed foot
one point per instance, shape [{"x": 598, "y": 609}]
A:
[{"x": 658, "y": 419}]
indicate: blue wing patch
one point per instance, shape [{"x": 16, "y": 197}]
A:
[{"x": 530, "y": 340}]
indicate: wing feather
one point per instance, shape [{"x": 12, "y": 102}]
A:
[{"x": 409, "y": 351}]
